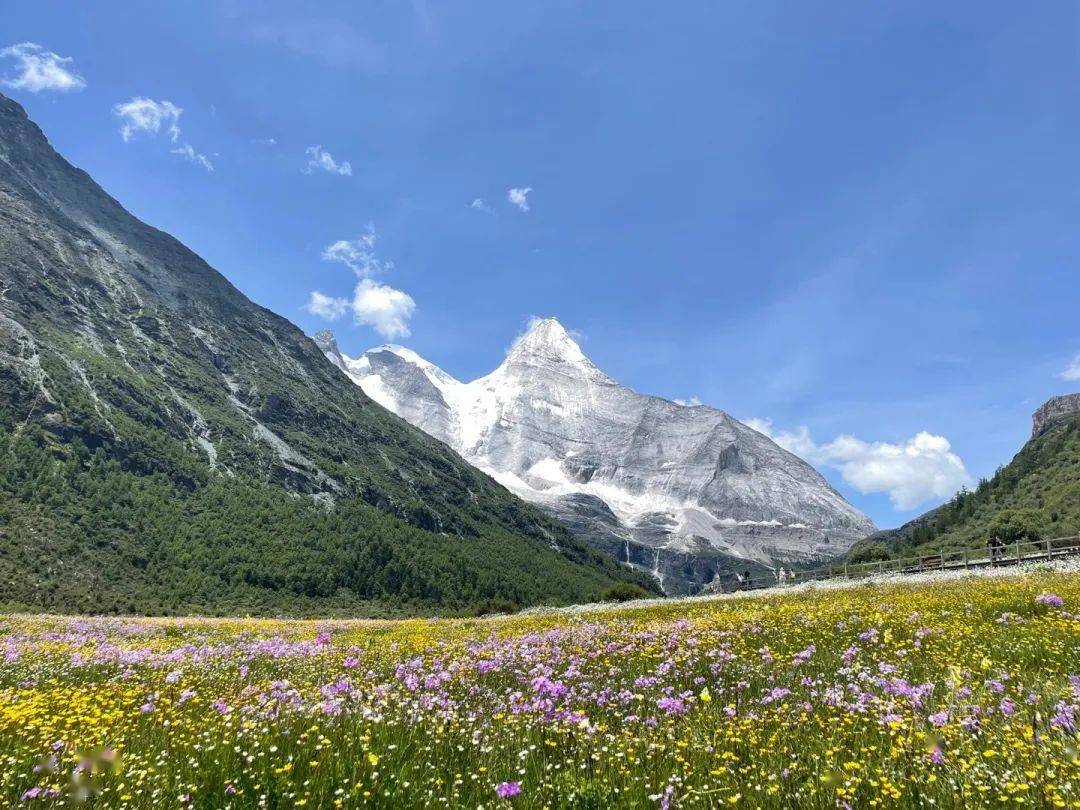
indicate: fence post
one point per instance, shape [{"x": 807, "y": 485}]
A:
[
  {"x": 845, "y": 570},
  {"x": 1018, "y": 551},
  {"x": 965, "y": 560},
  {"x": 1049, "y": 553}
]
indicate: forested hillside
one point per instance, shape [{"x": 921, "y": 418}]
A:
[{"x": 167, "y": 444}]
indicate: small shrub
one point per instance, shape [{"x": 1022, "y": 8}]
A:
[{"x": 624, "y": 592}]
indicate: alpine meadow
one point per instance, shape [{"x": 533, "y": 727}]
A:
[{"x": 553, "y": 406}]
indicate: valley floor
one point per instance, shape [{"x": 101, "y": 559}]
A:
[{"x": 943, "y": 689}]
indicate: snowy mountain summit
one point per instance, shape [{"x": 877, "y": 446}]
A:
[{"x": 686, "y": 492}]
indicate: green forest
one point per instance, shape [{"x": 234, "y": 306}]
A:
[{"x": 79, "y": 533}]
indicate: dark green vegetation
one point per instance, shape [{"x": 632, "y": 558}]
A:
[
  {"x": 1036, "y": 495},
  {"x": 166, "y": 445},
  {"x": 624, "y": 592}
]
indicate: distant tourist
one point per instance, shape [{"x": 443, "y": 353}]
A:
[
  {"x": 781, "y": 576},
  {"x": 746, "y": 579}
]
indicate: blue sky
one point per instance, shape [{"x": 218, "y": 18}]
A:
[{"x": 856, "y": 222}]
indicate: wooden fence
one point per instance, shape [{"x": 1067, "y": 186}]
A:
[{"x": 940, "y": 560}]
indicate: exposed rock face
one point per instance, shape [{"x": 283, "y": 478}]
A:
[
  {"x": 1053, "y": 411},
  {"x": 684, "y": 492}
]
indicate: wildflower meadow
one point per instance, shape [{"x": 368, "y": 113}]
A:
[{"x": 962, "y": 693}]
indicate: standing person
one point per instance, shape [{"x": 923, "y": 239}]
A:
[
  {"x": 782, "y": 577},
  {"x": 746, "y": 579},
  {"x": 991, "y": 548}
]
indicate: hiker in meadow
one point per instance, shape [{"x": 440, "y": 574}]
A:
[
  {"x": 1000, "y": 546},
  {"x": 746, "y": 579},
  {"x": 781, "y": 577}
]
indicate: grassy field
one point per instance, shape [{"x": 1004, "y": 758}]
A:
[{"x": 953, "y": 694}]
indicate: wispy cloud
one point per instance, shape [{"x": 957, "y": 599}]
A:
[
  {"x": 187, "y": 151},
  {"x": 519, "y": 197},
  {"x": 358, "y": 254},
  {"x": 144, "y": 115},
  {"x": 38, "y": 69},
  {"x": 693, "y": 402},
  {"x": 479, "y": 205},
  {"x": 385, "y": 309},
  {"x": 319, "y": 158},
  {"x": 326, "y": 306},
  {"x": 920, "y": 469},
  {"x": 1072, "y": 371}
]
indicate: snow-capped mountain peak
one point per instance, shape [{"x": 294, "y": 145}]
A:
[
  {"x": 684, "y": 492},
  {"x": 546, "y": 341}
]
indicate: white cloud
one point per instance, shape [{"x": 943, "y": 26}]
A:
[
  {"x": 519, "y": 197},
  {"x": 358, "y": 254},
  {"x": 319, "y": 158},
  {"x": 187, "y": 151},
  {"x": 265, "y": 141},
  {"x": 326, "y": 306},
  {"x": 379, "y": 306},
  {"x": 149, "y": 116},
  {"x": 1072, "y": 371},
  {"x": 383, "y": 308},
  {"x": 480, "y": 205},
  {"x": 920, "y": 469},
  {"x": 39, "y": 69},
  {"x": 693, "y": 402}
]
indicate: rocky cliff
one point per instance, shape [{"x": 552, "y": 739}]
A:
[{"x": 1054, "y": 411}]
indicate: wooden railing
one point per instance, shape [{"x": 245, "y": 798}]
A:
[{"x": 940, "y": 560}]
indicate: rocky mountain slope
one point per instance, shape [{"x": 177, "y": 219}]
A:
[
  {"x": 1042, "y": 481},
  {"x": 168, "y": 445},
  {"x": 687, "y": 493}
]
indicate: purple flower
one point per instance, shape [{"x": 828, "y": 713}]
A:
[
  {"x": 1065, "y": 719},
  {"x": 804, "y": 656},
  {"x": 939, "y": 719},
  {"x": 1050, "y": 600},
  {"x": 672, "y": 705},
  {"x": 507, "y": 790}
]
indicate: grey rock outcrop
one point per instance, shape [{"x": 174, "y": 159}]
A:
[{"x": 1053, "y": 411}]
